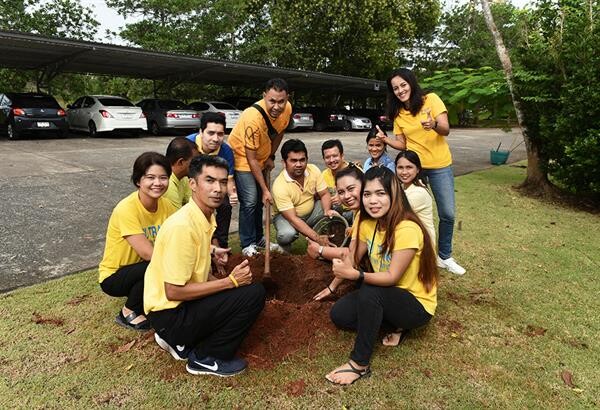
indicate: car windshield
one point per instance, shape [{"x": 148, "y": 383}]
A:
[
  {"x": 172, "y": 105},
  {"x": 115, "y": 102},
  {"x": 35, "y": 101},
  {"x": 223, "y": 106}
]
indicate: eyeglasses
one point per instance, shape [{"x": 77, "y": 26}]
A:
[{"x": 161, "y": 178}]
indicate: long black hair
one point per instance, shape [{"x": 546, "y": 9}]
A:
[{"x": 417, "y": 95}]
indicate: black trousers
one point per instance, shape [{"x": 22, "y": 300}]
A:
[
  {"x": 223, "y": 217},
  {"x": 367, "y": 308},
  {"x": 128, "y": 281},
  {"x": 216, "y": 325}
]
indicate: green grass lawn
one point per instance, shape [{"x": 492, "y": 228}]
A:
[{"x": 514, "y": 332}]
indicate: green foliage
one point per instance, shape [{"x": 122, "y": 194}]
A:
[
  {"x": 559, "y": 85},
  {"x": 463, "y": 39},
  {"x": 472, "y": 95}
]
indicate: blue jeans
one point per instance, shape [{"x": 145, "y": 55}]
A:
[
  {"x": 441, "y": 181},
  {"x": 286, "y": 233},
  {"x": 251, "y": 208}
]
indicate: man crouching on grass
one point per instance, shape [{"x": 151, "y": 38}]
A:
[{"x": 198, "y": 317}]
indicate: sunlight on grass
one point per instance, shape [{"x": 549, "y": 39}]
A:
[{"x": 525, "y": 312}]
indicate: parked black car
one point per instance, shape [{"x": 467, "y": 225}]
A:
[{"x": 31, "y": 112}]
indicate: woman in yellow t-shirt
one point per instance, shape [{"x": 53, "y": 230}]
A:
[
  {"x": 421, "y": 125},
  {"x": 132, "y": 229},
  {"x": 398, "y": 287},
  {"x": 348, "y": 183},
  {"x": 409, "y": 170}
]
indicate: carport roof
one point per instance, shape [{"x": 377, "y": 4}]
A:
[{"x": 53, "y": 55}]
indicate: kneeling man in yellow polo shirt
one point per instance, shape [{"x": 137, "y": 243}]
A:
[
  {"x": 198, "y": 317},
  {"x": 294, "y": 193}
]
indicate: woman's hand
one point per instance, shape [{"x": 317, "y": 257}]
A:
[
  {"x": 325, "y": 293},
  {"x": 429, "y": 123},
  {"x": 381, "y": 135},
  {"x": 343, "y": 269}
]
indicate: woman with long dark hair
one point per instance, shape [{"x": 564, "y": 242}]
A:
[
  {"x": 421, "y": 125},
  {"x": 398, "y": 286}
]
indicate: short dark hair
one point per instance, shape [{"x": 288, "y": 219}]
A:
[
  {"x": 373, "y": 133},
  {"x": 180, "y": 147},
  {"x": 202, "y": 161},
  {"x": 277, "y": 84},
  {"x": 208, "y": 117},
  {"x": 332, "y": 144},
  {"x": 293, "y": 145},
  {"x": 145, "y": 161}
]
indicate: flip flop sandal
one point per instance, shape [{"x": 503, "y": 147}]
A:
[
  {"x": 125, "y": 321},
  {"x": 361, "y": 373}
]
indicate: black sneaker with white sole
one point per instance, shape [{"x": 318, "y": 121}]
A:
[
  {"x": 178, "y": 352},
  {"x": 215, "y": 367}
]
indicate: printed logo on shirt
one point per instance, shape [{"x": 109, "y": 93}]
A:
[{"x": 150, "y": 232}]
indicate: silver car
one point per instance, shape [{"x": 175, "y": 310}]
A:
[
  {"x": 301, "y": 120},
  {"x": 164, "y": 115},
  {"x": 228, "y": 111}
]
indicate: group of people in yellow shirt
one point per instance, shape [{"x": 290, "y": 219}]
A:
[{"x": 159, "y": 257}]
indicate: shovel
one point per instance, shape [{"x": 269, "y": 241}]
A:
[{"x": 267, "y": 280}]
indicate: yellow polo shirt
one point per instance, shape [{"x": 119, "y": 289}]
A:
[
  {"x": 251, "y": 132},
  {"x": 289, "y": 194},
  {"x": 179, "y": 191},
  {"x": 407, "y": 235},
  {"x": 181, "y": 255},
  {"x": 432, "y": 148},
  {"x": 130, "y": 218}
]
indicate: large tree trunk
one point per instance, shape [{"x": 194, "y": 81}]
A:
[{"x": 537, "y": 179}]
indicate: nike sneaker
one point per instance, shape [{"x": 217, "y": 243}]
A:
[
  {"x": 215, "y": 367},
  {"x": 179, "y": 352}
]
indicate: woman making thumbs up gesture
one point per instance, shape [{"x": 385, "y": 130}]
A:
[
  {"x": 398, "y": 286},
  {"x": 421, "y": 125}
]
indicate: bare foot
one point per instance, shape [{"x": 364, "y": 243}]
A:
[
  {"x": 348, "y": 373},
  {"x": 392, "y": 339}
]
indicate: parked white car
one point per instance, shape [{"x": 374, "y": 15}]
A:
[
  {"x": 231, "y": 114},
  {"x": 103, "y": 113}
]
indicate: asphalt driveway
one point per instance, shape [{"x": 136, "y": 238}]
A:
[{"x": 57, "y": 194}]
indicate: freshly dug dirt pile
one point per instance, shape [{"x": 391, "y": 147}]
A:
[{"x": 290, "y": 320}]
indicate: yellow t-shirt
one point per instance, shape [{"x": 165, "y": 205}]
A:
[
  {"x": 130, "y": 218},
  {"x": 179, "y": 191},
  {"x": 251, "y": 132},
  {"x": 407, "y": 235},
  {"x": 181, "y": 255},
  {"x": 432, "y": 148},
  {"x": 421, "y": 203},
  {"x": 289, "y": 194}
]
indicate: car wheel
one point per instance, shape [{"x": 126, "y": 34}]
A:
[
  {"x": 154, "y": 128},
  {"x": 92, "y": 129},
  {"x": 347, "y": 126},
  {"x": 12, "y": 133}
]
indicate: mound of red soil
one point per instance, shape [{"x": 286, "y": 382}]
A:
[{"x": 290, "y": 320}]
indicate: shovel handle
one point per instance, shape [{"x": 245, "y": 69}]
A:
[{"x": 268, "y": 228}]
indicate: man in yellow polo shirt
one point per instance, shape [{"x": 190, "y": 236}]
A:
[
  {"x": 294, "y": 192},
  {"x": 179, "y": 153},
  {"x": 254, "y": 150},
  {"x": 198, "y": 317}
]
